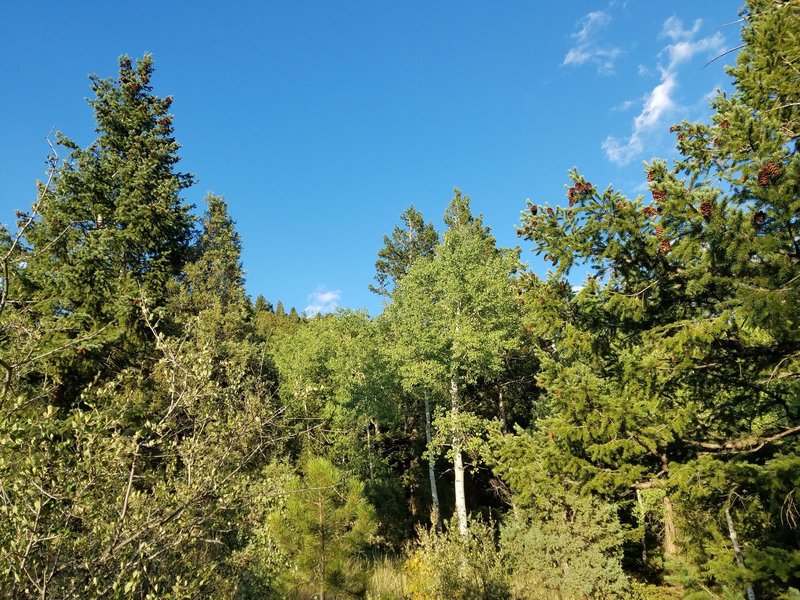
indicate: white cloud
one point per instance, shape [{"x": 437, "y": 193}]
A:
[
  {"x": 660, "y": 102},
  {"x": 623, "y": 106},
  {"x": 322, "y": 301},
  {"x": 586, "y": 47},
  {"x": 673, "y": 29}
]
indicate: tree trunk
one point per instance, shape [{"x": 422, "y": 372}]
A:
[
  {"x": 670, "y": 532},
  {"x": 436, "y": 519},
  {"x": 369, "y": 454},
  {"x": 751, "y": 595},
  {"x": 458, "y": 463},
  {"x": 502, "y": 409},
  {"x": 643, "y": 518}
]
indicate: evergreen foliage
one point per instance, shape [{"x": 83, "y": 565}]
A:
[
  {"x": 162, "y": 436},
  {"x": 413, "y": 240},
  {"x": 324, "y": 528}
]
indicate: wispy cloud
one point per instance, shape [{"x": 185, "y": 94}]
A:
[
  {"x": 322, "y": 301},
  {"x": 587, "y": 49},
  {"x": 660, "y": 102},
  {"x": 624, "y": 106}
]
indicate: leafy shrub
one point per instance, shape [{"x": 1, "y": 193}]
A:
[
  {"x": 571, "y": 550},
  {"x": 449, "y": 565}
]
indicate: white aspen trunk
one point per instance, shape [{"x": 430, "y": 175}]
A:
[
  {"x": 751, "y": 595},
  {"x": 502, "y": 409},
  {"x": 458, "y": 462},
  {"x": 436, "y": 519},
  {"x": 369, "y": 454}
]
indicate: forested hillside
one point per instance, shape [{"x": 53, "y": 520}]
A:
[{"x": 493, "y": 433}]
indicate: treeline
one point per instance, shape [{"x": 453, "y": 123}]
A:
[{"x": 492, "y": 434}]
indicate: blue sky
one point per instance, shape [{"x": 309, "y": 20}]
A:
[{"x": 321, "y": 121}]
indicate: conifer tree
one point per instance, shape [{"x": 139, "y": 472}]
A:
[
  {"x": 114, "y": 231},
  {"x": 262, "y": 305},
  {"x": 673, "y": 371},
  {"x": 412, "y": 240},
  {"x": 325, "y": 528}
]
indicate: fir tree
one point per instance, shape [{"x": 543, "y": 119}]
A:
[{"x": 262, "y": 305}]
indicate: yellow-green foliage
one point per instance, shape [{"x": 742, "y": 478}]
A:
[{"x": 448, "y": 565}]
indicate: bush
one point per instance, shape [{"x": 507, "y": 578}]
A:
[
  {"x": 449, "y": 565},
  {"x": 571, "y": 550}
]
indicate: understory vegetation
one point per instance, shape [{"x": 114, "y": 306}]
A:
[{"x": 494, "y": 433}]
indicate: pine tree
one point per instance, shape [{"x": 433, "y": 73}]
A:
[
  {"x": 325, "y": 528},
  {"x": 673, "y": 371},
  {"x": 414, "y": 239}
]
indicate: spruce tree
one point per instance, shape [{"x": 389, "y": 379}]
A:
[{"x": 112, "y": 234}]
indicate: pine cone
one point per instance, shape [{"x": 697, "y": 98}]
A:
[
  {"x": 674, "y": 128},
  {"x": 759, "y": 218},
  {"x": 725, "y": 123},
  {"x": 769, "y": 173},
  {"x": 659, "y": 231},
  {"x": 665, "y": 246},
  {"x": 534, "y": 209},
  {"x": 705, "y": 210},
  {"x": 651, "y": 176},
  {"x": 621, "y": 205},
  {"x": 549, "y": 211},
  {"x": 659, "y": 194},
  {"x": 717, "y": 143},
  {"x": 571, "y": 196},
  {"x": 649, "y": 211}
]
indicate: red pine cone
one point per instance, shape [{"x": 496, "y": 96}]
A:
[
  {"x": 659, "y": 231},
  {"x": 759, "y": 218},
  {"x": 725, "y": 123},
  {"x": 769, "y": 173},
  {"x": 650, "y": 211},
  {"x": 705, "y": 210},
  {"x": 665, "y": 246},
  {"x": 659, "y": 194},
  {"x": 534, "y": 209},
  {"x": 651, "y": 176},
  {"x": 549, "y": 211}
]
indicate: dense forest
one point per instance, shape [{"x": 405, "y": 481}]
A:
[{"x": 493, "y": 433}]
